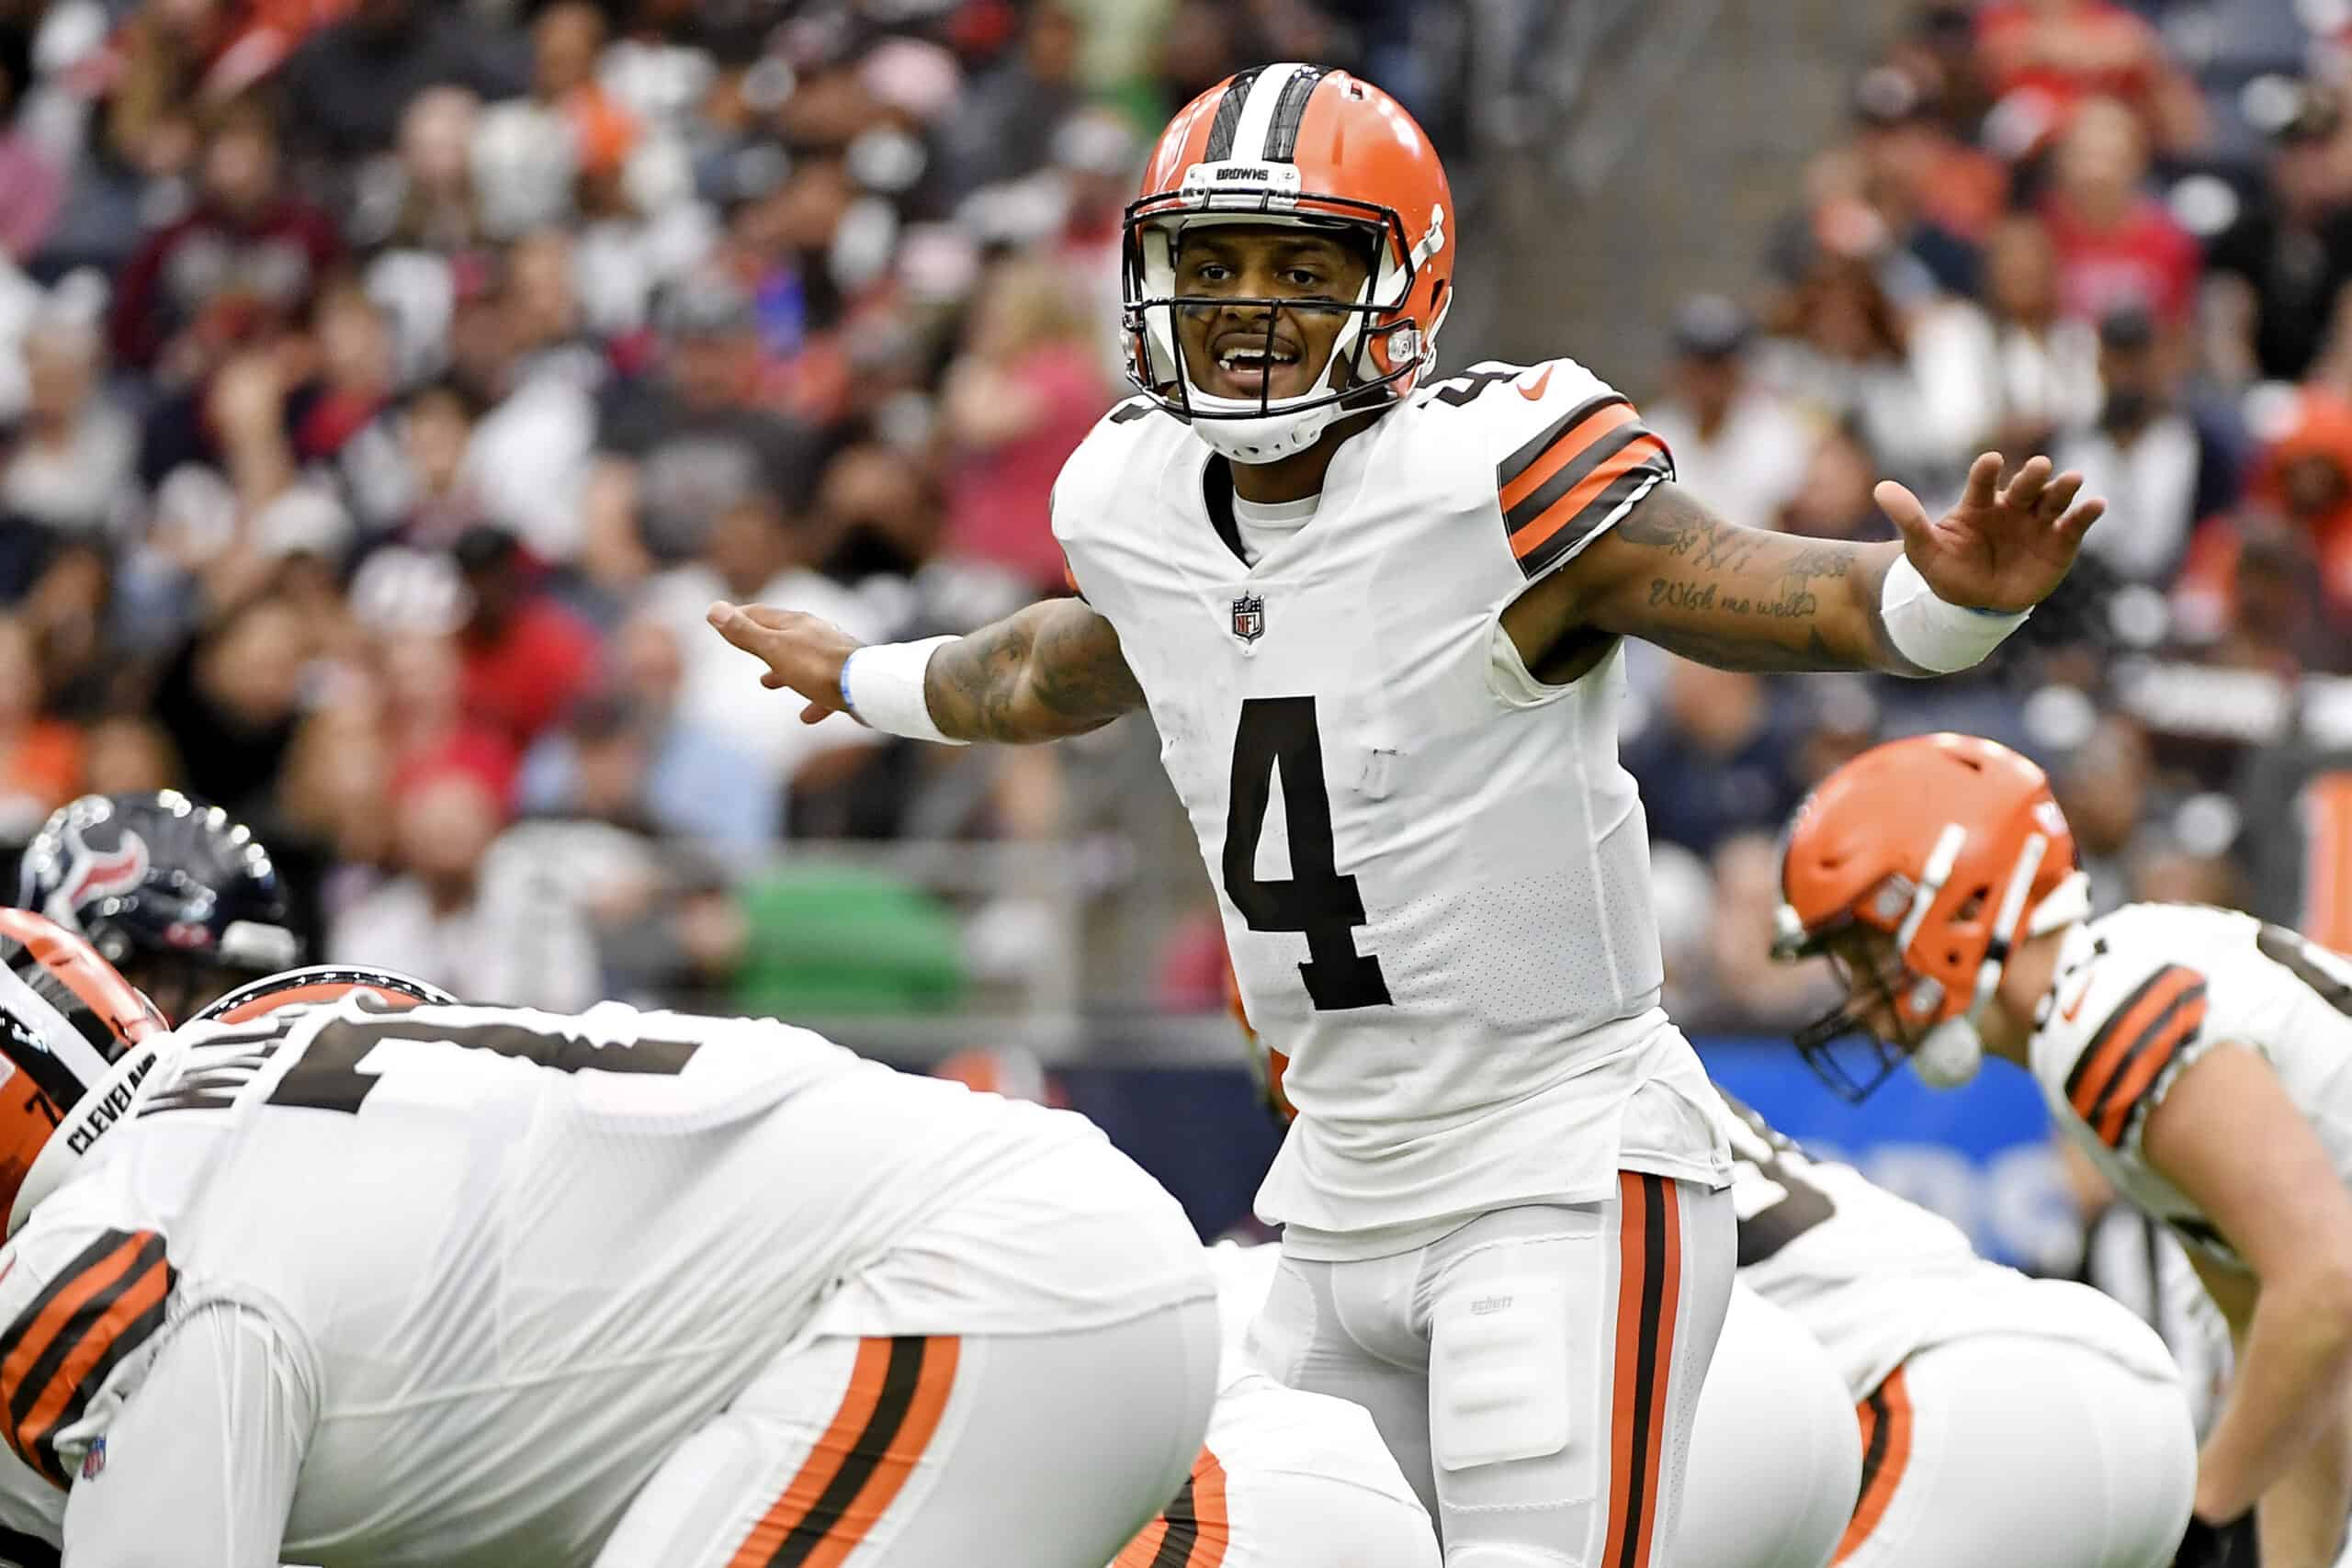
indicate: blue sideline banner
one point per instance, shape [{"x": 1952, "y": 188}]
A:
[{"x": 1980, "y": 1156}]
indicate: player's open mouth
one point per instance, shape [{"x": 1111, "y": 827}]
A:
[{"x": 1247, "y": 366}]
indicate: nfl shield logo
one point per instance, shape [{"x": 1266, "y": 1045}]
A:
[{"x": 1249, "y": 618}]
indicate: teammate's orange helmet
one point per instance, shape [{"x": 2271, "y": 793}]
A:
[
  {"x": 1294, "y": 144},
  {"x": 320, "y": 983},
  {"x": 66, "y": 1018},
  {"x": 1917, "y": 867}
]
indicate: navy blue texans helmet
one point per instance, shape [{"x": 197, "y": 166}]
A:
[{"x": 177, "y": 894}]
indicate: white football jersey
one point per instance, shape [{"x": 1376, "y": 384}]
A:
[
  {"x": 2141, "y": 993},
  {"x": 512, "y": 1256},
  {"x": 1433, "y": 873},
  {"x": 1874, "y": 1278}
]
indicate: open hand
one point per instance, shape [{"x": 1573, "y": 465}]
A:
[
  {"x": 803, "y": 653},
  {"x": 2003, "y": 547}
]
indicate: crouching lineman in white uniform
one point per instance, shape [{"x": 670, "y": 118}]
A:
[
  {"x": 359, "y": 1280},
  {"x": 1397, "y": 603},
  {"x": 2027, "y": 1422},
  {"x": 2202, "y": 1059},
  {"x": 1286, "y": 1479}
]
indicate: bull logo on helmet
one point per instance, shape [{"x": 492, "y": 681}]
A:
[{"x": 98, "y": 874}]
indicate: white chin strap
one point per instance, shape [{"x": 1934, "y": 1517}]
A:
[{"x": 1950, "y": 1053}]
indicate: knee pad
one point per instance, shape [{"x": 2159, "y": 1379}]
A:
[{"x": 1504, "y": 1554}]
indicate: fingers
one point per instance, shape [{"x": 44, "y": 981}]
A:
[
  {"x": 2025, "y": 491},
  {"x": 2061, "y": 494},
  {"x": 1903, "y": 507},
  {"x": 735, "y": 624},
  {"x": 1983, "y": 480},
  {"x": 2076, "y": 522}
]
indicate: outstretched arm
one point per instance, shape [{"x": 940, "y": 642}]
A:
[
  {"x": 1673, "y": 573},
  {"x": 1045, "y": 672}
]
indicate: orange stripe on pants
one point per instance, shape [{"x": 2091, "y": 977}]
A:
[
  {"x": 1886, "y": 1419},
  {"x": 898, "y": 1391},
  {"x": 1649, "y": 1292}
]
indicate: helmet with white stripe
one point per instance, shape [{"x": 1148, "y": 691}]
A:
[
  {"x": 1293, "y": 144},
  {"x": 67, "y": 1020}
]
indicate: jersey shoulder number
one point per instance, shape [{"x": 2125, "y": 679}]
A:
[{"x": 1569, "y": 453}]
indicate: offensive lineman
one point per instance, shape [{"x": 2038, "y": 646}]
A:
[
  {"x": 2197, "y": 1055},
  {"x": 376, "y": 1282},
  {"x": 1396, "y": 604},
  {"x": 2028, "y": 1422}
]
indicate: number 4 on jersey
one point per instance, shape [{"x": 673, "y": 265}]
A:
[{"x": 1281, "y": 732}]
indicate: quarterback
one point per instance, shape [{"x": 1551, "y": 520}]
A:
[
  {"x": 2202, "y": 1059},
  {"x": 348, "y": 1273},
  {"x": 1394, "y": 603}
]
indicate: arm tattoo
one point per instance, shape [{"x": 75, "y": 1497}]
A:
[
  {"x": 1050, "y": 671},
  {"x": 1747, "y": 598}
]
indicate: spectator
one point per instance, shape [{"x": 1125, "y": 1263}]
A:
[
  {"x": 70, "y": 468},
  {"x": 2048, "y": 60},
  {"x": 2278, "y": 275},
  {"x": 691, "y": 439},
  {"x": 243, "y": 264},
  {"x": 531, "y": 454},
  {"x": 2025, "y": 371},
  {"x": 1006, "y": 126},
  {"x": 2118, "y": 248},
  {"x": 467, "y": 912},
  {"x": 2160, "y": 468},
  {"x": 527, "y": 659},
  {"x": 2105, "y": 787},
  {"x": 2300, "y": 508},
  {"x": 1015, "y": 405},
  {"x": 32, "y": 186},
  {"x": 231, "y": 699},
  {"x": 1832, "y": 497},
  {"x": 1843, "y": 348},
  {"x": 41, "y": 758},
  {"x": 349, "y": 83},
  {"x": 1717, "y": 760},
  {"x": 1935, "y": 197},
  {"x": 1737, "y": 445},
  {"x": 633, "y": 756}
]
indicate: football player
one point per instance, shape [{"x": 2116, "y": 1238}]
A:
[
  {"x": 177, "y": 894},
  {"x": 2032, "y": 1423},
  {"x": 372, "y": 1276},
  {"x": 1396, "y": 604},
  {"x": 1286, "y": 1479},
  {"x": 2200, "y": 1058}
]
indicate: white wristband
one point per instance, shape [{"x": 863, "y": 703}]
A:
[
  {"x": 1932, "y": 634},
  {"x": 882, "y": 688}
]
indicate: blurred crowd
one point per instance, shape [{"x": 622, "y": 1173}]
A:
[
  {"x": 387, "y": 386},
  {"x": 2118, "y": 233}
]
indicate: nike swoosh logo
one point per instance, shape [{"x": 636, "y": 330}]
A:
[
  {"x": 1535, "y": 394},
  {"x": 2074, "y": 1006}
]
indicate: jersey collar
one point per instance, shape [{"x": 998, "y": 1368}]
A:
[{"x": 104, "y": 1108}]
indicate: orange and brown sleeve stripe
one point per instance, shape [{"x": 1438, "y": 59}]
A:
[
  {"x": 1885, "y": 1418},
  {"x": 2138, "y": 1041},
  {"x": 1567, "y": 482},
  {"x": 111, "y": 1300},
  {"x": 898, "y": 1391},
  {"x": 1649, "y": 1299},
  {"x": 1192, "y": 1532}
]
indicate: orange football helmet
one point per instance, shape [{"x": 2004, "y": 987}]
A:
[
  {"x": 318, "y": 983},
  {"x": 67, "y": 1020},
  {"x": 1917, "y": 868},
  {"x": 1293, "y": 144}
]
